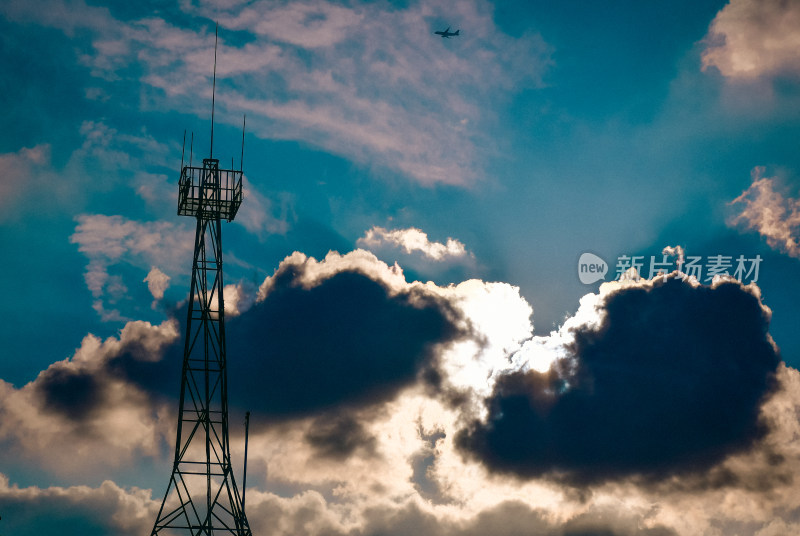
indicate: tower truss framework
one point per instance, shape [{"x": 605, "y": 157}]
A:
[{"x": 202, "y": 497}]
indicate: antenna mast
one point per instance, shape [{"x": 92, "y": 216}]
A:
[
  {"x": 214, "y": 90},
  {"x": 241, "y": 161}
]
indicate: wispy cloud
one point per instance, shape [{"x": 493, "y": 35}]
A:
[
  {"x": 753, "y": 38},
  {"x": 111, "y": 240},
  {"x": 18, "y": 168},
  {"x": 374, "y": 85},
  {"x": 763, "y": 209},
  {"x": 34, "y": 183},
  {"x": 306, "y": 24},
  {"x": 66, "y": 15},
  {"x": 260, "y": 215},
  {"x": 368, "y": 83}
]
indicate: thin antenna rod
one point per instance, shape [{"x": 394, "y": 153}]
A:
[
  {"x": 241, "y": 162},
  {"x": 183, "y": 151},
  {"x": 191, "y": 145},
  {"x": 244, "y": 476},
  {"x": 214, "y": 90}
]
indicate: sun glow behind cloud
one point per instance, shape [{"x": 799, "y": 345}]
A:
[{"x": 398, "y": 451}]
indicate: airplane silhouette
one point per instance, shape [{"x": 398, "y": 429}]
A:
[{"x": 447, "y": 33}]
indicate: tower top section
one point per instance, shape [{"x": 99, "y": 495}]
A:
[{"x": 208, "y": 192}]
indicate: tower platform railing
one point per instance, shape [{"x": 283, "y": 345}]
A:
[{"x": 209, "y": 192}]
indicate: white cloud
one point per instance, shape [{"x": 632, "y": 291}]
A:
[
  {"x": 239, "y": 298},
  {"x": 311, "y": 271},
  {"x": 753, "y": 38},
  {"x": 775, "y": 217},
  {"x": 157, "y": 283},
  {"x": 413, "y": 240},
  {"x": 109, "y": 240},
  {"x": 675, "y": 251}
]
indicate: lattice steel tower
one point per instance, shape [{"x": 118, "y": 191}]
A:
[{"x": 202, "y": 497}]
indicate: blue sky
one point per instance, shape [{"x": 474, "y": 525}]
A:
[{"x": 465, "y": 175}]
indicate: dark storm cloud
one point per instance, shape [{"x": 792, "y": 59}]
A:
[
  {"x": 670, "y": 382},
  {"x": 25, "y": 517},
  {"x": 339, "y": 436},
  {"x": 159, "y": 375},
  {"x": 73, "y": 393},
  {"x": 346, "y": 341}
]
